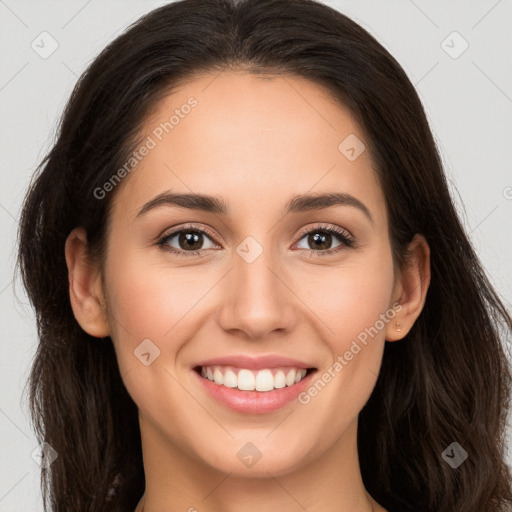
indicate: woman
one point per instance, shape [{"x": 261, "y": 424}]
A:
[{"x": 252, "y": 289}]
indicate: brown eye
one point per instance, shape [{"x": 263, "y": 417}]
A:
[
  {"x": 320, "y": 240},
  {"x": 190, "y": 240},
  {"x": 187, "y": 241}
]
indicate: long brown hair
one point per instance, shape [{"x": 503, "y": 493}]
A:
[{"x": 447, "y": 381}]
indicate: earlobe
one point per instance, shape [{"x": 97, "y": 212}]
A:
[
  {"x": 411, "y": 289},
  {"x": 85, "y": 286}
]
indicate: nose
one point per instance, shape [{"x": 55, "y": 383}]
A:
[{"x": 257, "y": 298}]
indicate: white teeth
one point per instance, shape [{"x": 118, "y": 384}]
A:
[
  {"x": 246, "y": 380},
  {"x": 290, "y": 378},
  {"x": 230, "y": 379},
  {"x": 279, "y": 380},
  {"x": 250, "y": 380},
  {"x": 264, "y": 381},
  {"x": 218, "y": 377}
]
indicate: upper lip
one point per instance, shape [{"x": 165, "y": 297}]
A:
[{"x": 255, "y": 362}]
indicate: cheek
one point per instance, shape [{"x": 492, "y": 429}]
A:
[
  {"x": 351, "y": 298},
  {"x": 146, "y": 298},
  {"x": 148, "y": 308},
  {"x": 154, "y": 309},
  {"x": 140, "y": 306},
  {"x": 144, "y": 304},
  {"x": 353, "y": 305}
]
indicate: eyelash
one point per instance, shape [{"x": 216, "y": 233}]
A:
[{"x": 346, "y": 239}]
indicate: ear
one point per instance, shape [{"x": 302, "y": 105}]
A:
[
  {"x": 85, "y": 286},
  {"x": 410, "y": 289}
]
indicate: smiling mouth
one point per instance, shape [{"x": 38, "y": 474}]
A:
[{"x": 262, "y": 380}]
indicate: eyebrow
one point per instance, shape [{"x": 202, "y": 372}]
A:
[{"x": 298, "y": 203}]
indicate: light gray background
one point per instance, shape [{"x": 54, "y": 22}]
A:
[{"x": 468, "y": 100}]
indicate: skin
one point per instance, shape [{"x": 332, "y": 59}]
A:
[{"x": 255, "y": 141}]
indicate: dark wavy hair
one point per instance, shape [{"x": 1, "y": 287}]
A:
[{"x": 449, "y": 379}]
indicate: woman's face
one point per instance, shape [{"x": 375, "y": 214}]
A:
[{"x": 261, "y": 282}]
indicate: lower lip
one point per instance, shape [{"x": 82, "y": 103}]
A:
[{"x": 254, "y": 402}]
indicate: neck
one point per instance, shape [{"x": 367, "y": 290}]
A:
[{"x": 175, "y": 481}]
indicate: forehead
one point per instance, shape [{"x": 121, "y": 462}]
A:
[{"x": 251, "y": 138}]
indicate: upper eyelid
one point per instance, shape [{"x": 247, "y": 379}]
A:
[{"x": 324, "y": 227}]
